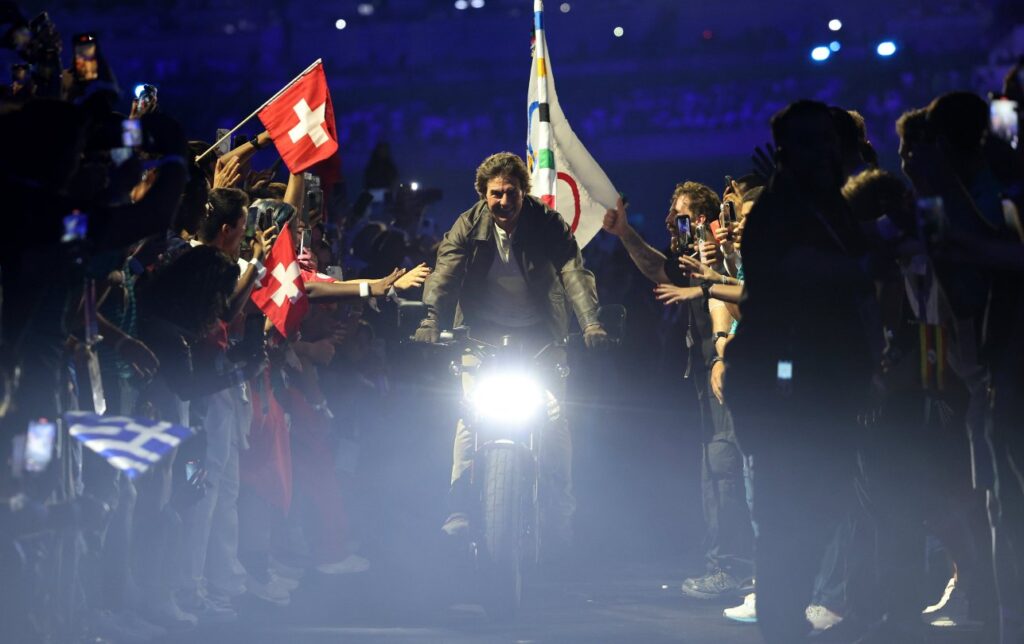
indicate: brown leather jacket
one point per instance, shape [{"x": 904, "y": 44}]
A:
[{"x": 546, "y": 252}]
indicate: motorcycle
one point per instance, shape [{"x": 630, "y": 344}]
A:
[{"x": 507, "y": 410}]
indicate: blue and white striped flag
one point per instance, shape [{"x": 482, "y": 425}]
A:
[{"x": 131, "y": 445}]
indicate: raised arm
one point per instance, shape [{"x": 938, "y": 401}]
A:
[{"x": 648, "y": 259}]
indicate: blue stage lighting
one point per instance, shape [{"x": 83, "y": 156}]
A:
[
  {"x": 834, "y": 46},
  {"x": 886, "y": 48},
  {"x": 820, "y": 53}
]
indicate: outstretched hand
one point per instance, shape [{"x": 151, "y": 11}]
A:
[
  {"x": 672, "y": 294},
  {"x": 380, "y": 288},
  {"x": 227, "y": 174},
  {"x": 696, "y": 270},
  {"x": 414, "y": 278}
]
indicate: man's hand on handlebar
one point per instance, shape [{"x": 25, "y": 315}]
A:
[
  {"x": 427, "y": 333},
  {"x": 595, "y": 337}
]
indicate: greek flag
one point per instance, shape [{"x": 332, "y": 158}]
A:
[{"x": 131, "y": 445}]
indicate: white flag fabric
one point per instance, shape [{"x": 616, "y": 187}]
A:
[
  {"x": 562, "y": 172},
  {"x": 132, "y": 445}
]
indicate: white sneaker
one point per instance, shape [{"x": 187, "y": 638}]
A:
[
  {"x": 210, "y": 609},
  {"x": 288, "y": 583},
  {"x": 168, "y": 614},
  {"x": 269, "y": 591},
  {"x": 951, "y": 610},
  {"x": 745, "y": 612},
  {"x": 284, "y": 570},
  {"x": 348, "y": 565},
  {"x": 946, "y": 594},
  {"x": 821, "y": 618}
]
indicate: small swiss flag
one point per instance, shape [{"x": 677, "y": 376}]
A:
[
  {"x": 282, "y": 293},
  {"x": 301, "y": 122}
]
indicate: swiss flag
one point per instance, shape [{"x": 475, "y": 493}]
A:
[
  {"x": 282, "y": 293},
  {"x": 301, "y": 122}
]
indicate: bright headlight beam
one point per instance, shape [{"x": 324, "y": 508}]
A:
[{"x": 506, "y": 398}]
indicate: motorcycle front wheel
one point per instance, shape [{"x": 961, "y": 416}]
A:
[{"x": 501, "y": 566}]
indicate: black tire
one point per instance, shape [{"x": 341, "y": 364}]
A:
[{"x": 501, "y": 566}]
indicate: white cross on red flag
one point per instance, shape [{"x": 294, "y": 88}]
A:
[
  {"x": 301, "y": 122},
  {"x": 282, "y": 296}
]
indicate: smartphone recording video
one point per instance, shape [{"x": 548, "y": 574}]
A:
[
  {"x": 39, "y": 444},
  {"x": 225, "y": 142},
  {"x": 683, "y": 228},
  {"x": 1005, "y": 120},
  {"x": 86, "y": 49},
  {"x": 131, "y": 133}
]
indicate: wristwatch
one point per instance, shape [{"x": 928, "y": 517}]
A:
[
  {"x": 255, "y": 141},
  {"x": 706, "y": 287}
]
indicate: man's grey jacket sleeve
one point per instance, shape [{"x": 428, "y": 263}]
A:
[{"x": 444, "y": 285}]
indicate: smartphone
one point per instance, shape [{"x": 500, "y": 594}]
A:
[
  {"x": 224, "y": 146},
  {"x": 1005, "y": 120},
  {"x": 191, "y": 469},
  {"x": 306, "y": 239},
  {"x": 784, "y": 376},
  {"x": 728, "y": 213},
  {"x": 251, "y": 222},
  {"x": 86, "y": 51},
  {"x": 146, "y": 95},
  {"x": 931, "y": 219},
  {"x": 700, "y": 233},
  {"x": 285, "y": 211},
  {"x": 683, "y": 228},
  {"x": 120, "y": 155},
  {"x": 131, "y": 133},
  {"x": 76, "y": 226},
  {"x": 39, "y": 444}
]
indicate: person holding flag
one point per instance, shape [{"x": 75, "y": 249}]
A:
[{"x": 507, "y": 267}]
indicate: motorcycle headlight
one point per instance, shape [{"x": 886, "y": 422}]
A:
[{"x": 507, "y": 398}]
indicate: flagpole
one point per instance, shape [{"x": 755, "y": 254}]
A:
[{"x": 259, "y": 109}]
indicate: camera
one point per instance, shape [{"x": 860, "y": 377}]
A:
[{"x": 86, "y": 57}]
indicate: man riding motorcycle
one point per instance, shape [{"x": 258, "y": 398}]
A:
[{"x": 506, "y": 268}]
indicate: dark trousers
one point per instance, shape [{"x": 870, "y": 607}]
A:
[
  {"x": 1006, "y": 506},
  {"x": 730, "y": 538},
  {"x": 803, "y": 488}
]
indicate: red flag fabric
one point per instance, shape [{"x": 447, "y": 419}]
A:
[
  {"x": 282, "y": 293},
  {"x": 301, "y": 122}
]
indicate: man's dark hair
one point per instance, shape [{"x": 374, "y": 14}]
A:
[
  {"x": 193, "y": 203},
  {"x": 209, "y": 162},
  {"x": 749, "y": 181},
  {"x": 272, "y": 190},
  {"x": 703, "y": 200},
  {"x": 912, "y": 124},
  {"x": 191, "y": 291},
  {"x": 874, "y": 193},
  {"x": 752, "y": 195},
  {"x": 224, "y": 208},
  {"x": 795, "y": 111},
  {"x": 502, "y": 164},
  {"x": 962, "y": 118}
]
